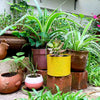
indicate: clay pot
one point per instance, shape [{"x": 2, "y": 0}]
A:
[
  {"x": 15, "y": 43},
  {"x": 78, "y": 60},
  {"x": 10, "y": 82},
  {"x": 39, "y": 58},
  {"x": 34, "y": 82},
  {"x": 3, "y": 49}
]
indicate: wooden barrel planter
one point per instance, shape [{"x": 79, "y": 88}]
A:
[{"x": 15, "y": 43}]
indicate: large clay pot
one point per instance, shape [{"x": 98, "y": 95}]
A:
[
  {"x": 58, "y": 66},
  {"x": 39, "y": 58},
  {"x": 10, "y": 83},
  {"x": 78, "y": 60},
  {"x": 15, "y": 43},
  {"x": 34, "y": 82},
  {"x": 3, "y": 49}
]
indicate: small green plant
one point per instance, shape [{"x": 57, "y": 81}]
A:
[
  {"x": 20, "y": 62},
  {"x": 55, "y": 47},
  {"x": 93, "y": 68},
  {"x": 16, "y": 61},
  {"x": 41, "y": 95}
]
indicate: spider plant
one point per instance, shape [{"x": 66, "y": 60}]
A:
[{"x": 75, "y": 40}]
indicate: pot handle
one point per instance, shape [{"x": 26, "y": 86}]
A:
[{"x": 18, "y": 83}]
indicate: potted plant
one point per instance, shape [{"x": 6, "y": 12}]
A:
[
  {"x": 33, "y": 80},
  {"x": 58, "y": 64},
  {"x": 11, "y": 81},
  {"x": 42, "y": 35},
  {"x": 78, "y": 44}
]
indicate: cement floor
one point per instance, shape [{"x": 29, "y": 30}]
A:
[{"x": 92, "y": 92}]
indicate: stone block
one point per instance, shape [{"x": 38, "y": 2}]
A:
[
  {"x": 64, "y": 83},
  {"x": 79, "y": 80},
  {"x": 44, "y": 74}
]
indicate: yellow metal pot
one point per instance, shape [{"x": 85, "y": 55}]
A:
[{"x": 59, "y": 66}]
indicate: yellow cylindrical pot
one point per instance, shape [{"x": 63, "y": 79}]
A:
[{"x": 59, "y": 66}]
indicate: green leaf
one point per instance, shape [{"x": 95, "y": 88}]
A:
[
  {"x": 20, "y": 53},
  {"x": 86, "y": 29},
  {"x": 38, "y": 43},
  {"x": 81, "y": 16},
  {"x": 4, "y": 60}
]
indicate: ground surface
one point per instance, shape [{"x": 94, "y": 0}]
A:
[{"x": 93, "y": 92}]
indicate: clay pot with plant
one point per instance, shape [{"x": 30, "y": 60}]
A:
[
  {"x": 58, "y": 64},
  {"x": 11, "y": 81},
  {"x": 79, "y": 44}
]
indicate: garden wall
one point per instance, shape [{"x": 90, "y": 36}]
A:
[{"x": 85, "y": 7}]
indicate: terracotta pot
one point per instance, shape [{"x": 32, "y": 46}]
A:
[
  {"x": 9, "y": 84},
  {"x": 58, "y": 66},
  {"x": 34, "y": 82},
  {"x": 39, "y": 58},
  {"x": 78, "y": 60},
  {"x": 3, "y": 49},
  {"x": 15, "y": 43}
]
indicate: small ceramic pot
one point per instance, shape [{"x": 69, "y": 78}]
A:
[
  {"x": 10, "y": 82},
  {"x": 34, "y": 82}
]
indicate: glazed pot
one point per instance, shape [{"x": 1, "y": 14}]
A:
[
  {"x": 78, "y": 60},
  {"x": 39, "y": 58},
  {"x": 3, "y": 49},
  {"x": 10, "y": 82},
  {"x": 58, "y": 66},
  {"x": 34, "y": 82}
]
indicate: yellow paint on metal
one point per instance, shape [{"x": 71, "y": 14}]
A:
[{"x": 59, "y": 66}]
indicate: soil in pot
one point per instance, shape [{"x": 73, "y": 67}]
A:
[{"x": 9, "y": 74}]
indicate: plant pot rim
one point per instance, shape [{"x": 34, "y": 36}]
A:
[
  {"x": 39, "y": 49},
  {"x": 78, "y": 51},
  {"x": 67, "y": 55},
  {"x": 16, "y": 73},
  {"x": 33, "y": 74}
]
